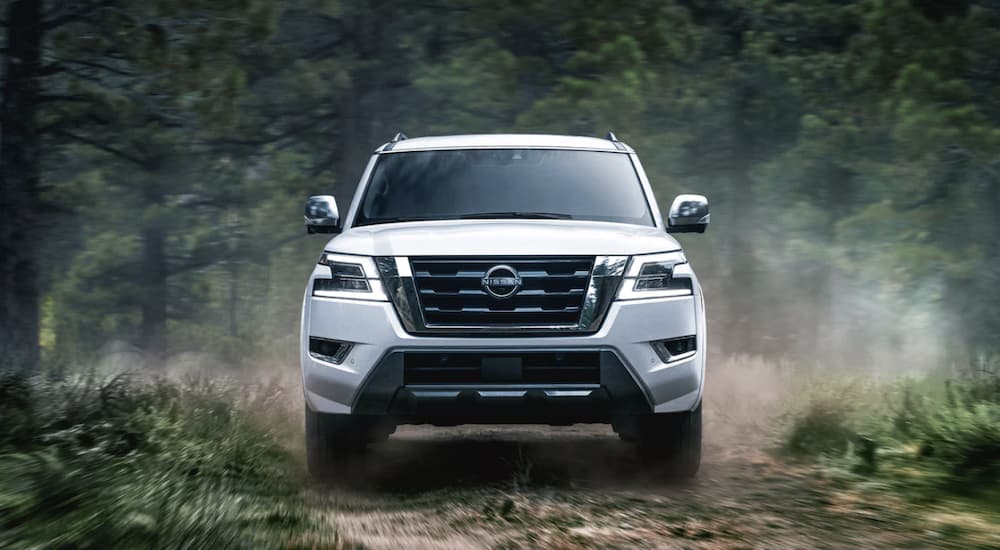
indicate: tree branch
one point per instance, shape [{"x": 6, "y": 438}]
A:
[
  {"x": 256, "y": 253},
  {"x": 294, "y": 131},
  {"x": 75, "y": 98},
  {"x": 69, "y": 121},
  {"x": 94, "y": 65},
  {"x": 102, "y": 146}
]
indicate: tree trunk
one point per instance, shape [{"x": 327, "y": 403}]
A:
[
  {"x": 742, "y": 332},
  {"x": 154, "y": 290},
  {"x": 19, "y": 180},
  {"x": 153, "y": 274},
  {"x": 364, "y": 108},
  {"x": 234, "y": 298}
]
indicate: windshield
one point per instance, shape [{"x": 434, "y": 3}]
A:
[{"x": 504, "y": 183}]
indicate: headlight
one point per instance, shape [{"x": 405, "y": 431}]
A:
[
  {"x": 656, "y": 276},
  {"x": 350, "y": 277}
]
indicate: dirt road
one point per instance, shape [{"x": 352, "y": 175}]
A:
[{"x": 542, "y": 487}]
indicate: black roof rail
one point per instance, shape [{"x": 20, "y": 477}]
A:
[
  {"x": 614, "y": 139},
  {"x": 400, "y": 136}
]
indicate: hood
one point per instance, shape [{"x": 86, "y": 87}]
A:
[{"x": 502, "y": 238}]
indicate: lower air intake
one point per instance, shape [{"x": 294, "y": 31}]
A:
[{"x": 475, "y": 368}]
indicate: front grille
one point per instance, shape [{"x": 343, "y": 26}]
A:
[
  {"x": 476, "y": 368},
  {"x": 451, "y": 291}
]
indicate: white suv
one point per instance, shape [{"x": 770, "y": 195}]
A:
[{"x": 504, "y": 279}]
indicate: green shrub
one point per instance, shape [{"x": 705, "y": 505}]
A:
[
  {"x": 825, "y": 425},
  {"x": 960, "y": 434},
  {"x": 936, "y": 433}
]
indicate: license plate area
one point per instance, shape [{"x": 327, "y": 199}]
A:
[
  {"x": 501, "y": 369},
  {"x": 504, "y": 368}
]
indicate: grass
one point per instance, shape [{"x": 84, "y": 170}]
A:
[
  {"x": 930, "y": 439},
  {"x": 149, "y": 463},
  {"x": 134, "y": 463}
]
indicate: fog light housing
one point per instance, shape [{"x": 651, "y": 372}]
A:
[
  {"x": 331, "y": 351},
  {"x": 675, "y": 349}
]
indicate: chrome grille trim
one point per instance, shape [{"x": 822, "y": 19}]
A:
[
  {"x": 452, "y": 291},
  {"x": 605, "y": 276}
]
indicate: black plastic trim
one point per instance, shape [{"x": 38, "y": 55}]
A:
[{"x": 384, "y": 393}]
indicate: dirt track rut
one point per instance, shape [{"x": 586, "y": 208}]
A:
[{"x": 579, "y": 486}]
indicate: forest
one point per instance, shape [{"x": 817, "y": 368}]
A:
[{"x": 155, "y": 157}]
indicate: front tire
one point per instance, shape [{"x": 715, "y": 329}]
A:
[
  {"x": 669, "y": 444},
  {"x": 334, "y": 442}
]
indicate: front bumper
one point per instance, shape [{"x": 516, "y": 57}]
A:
[
  {"x": 624, "y": 337},
  {"x": 616, "y": 396}
]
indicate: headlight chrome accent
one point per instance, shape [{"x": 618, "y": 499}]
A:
[
  {"x": 655, "y": 276},
  {"x": 353, "y": 277}
]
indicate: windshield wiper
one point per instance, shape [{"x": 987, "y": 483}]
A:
[
  {"x": 475, "y": 216},
  {"x": 376, "y": 221},
  {"x": 516, "y": 215}
]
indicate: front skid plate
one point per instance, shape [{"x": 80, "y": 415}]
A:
[{"x": 386, "y": 393}]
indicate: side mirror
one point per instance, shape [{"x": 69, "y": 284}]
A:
[
  {"x": 688, "y": 214},
  {"x": 322, "y": 215}
]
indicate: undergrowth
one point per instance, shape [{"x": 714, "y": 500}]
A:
[
  {"x": 133, "y": 463},
  {"x": 939, "y": 435}
]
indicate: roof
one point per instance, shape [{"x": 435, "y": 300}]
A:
[{"x": 504, "y": 141}]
